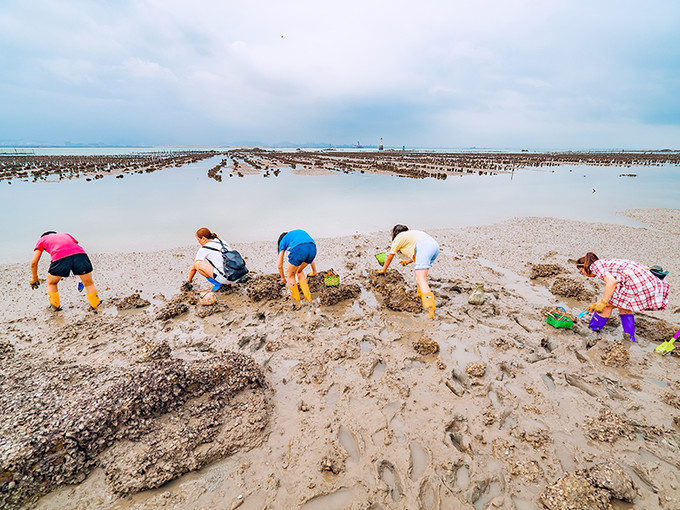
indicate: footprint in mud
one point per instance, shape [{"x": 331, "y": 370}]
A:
[
  {"x": 377, "y": 371},
  {"x": 457, "y": 477},
  {"x": 578, "y": 355},
  {"x": 578, "y": 382},
  {"x": 372, "y": 368},
  {"x": 483, "y": 491},
  {"x": 419, "y": 461},
  {"x": 548, "y": 380},
  {"x": 455, "y": 435},
  {"x": 348, "y": 442},
  {"x": 459, "y": 382},
  {"x": 388, "y": 474},
  {"x": 256, "y": 342},
  {"x": 428, "y": 496}
]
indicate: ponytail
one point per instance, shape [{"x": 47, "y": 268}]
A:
[
  {"x": 398, "y": 229},
  {"x": 586, "y": 261},
  {"x": 205, "y": 232}
]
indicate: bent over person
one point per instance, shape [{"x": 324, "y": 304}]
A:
[
  {"x": 628, "y": 286},
  {"x": 420, "y": 248},
  {"x": 301, "y": 250},
  {"x": 68, "y": 257}
]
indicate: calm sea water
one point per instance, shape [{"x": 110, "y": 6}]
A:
[{"x": 163, "y": 209}]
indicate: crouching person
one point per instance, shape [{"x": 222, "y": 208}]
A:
[{"x": 216, "y": 261}]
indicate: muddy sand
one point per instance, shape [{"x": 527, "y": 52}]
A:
[{"x": 355, "y": 400}]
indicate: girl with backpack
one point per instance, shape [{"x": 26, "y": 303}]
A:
[{"x": 215, "y": 260}]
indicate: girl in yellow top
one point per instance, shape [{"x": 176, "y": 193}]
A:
[{"x": 420, "y": 248}]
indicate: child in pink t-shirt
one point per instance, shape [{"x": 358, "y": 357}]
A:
[{"x": 68, "y": 257}]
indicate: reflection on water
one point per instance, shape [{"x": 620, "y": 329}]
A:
[{"x": 163, "y": 209}]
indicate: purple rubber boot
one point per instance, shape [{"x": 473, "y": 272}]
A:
[
  {"x": 597, "y": 322},
  {"x": 628, "y": 324}
]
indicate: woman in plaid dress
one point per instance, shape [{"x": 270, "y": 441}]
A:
[{"x": 628, "y": 286}]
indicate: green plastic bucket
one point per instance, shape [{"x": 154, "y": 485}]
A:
[
  {"x": 380, "y": 257},
  {"x": 558, "y": 318},
  {"x": 332, "y": 279}
]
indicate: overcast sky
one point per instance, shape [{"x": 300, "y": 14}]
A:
[{"x": 504, "y": 73}]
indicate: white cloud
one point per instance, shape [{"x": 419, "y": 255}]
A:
[{"x": 307, "y": 71}]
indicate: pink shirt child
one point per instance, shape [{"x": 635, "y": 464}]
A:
[{"x": 59, "y": 245}]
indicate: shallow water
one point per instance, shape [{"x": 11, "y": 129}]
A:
[{"x": 163, "y": 209}]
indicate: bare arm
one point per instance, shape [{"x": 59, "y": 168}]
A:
[
  {"x": 281, "y": 254},
  {"x": 388, "y": 261},
  {"x": 34, "y": 263},
  {"x": 609, "y": 287}
]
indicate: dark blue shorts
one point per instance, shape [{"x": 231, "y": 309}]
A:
[
  {"x": 77, "y": 264},
  {"x": 302, "y": 253}
]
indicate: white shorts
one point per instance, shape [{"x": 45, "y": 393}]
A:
[{"x": 427, "y": 250}]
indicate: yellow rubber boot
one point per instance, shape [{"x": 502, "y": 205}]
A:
[
  {"x": 420, "y": 294},
  {"x": 305, "y": 289},
  {"x": 294, "y": 292},
  {"x": 93, "y": 298},
  {"x": 428, "y": 303},
  {"x": 54, "y": 300}
]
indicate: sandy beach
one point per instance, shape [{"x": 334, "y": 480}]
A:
[{"x": 360, "y": 403}]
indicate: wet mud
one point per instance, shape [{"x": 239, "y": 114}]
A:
[
  {"x": 358, "y": 405},
  {"x": 616, "y": 355},
  {"x": 172, "y": 310}
]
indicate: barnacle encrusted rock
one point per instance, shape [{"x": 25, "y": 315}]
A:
[
  {"x": 608, "y": 427},
  {"x": 566, "y": 286},
  {"x": 475, "y": 369},
  {"x": 544, "y": 270},
  {"x": 391, "y": 288},
  {"x": 612, "y": 477},
  {"x": 616, "y": 355},
  {"x": 264, "y": 287},
  {"x": 59, "y": 419},
  {"x": 425, "y": 346},
  {"x": 574, "y": 492}
]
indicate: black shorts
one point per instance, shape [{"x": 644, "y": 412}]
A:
[{"x": 79, "y": 264}]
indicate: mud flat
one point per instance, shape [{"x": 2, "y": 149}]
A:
[
  {"x": 363, "y": 403},
  {"x": 438, "y": 165},
  {"x": 35, "y": 168},
  {"x": 241, "y": 162}
]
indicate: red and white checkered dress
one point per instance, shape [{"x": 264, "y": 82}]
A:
[{"x": 637, "y": 289}]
